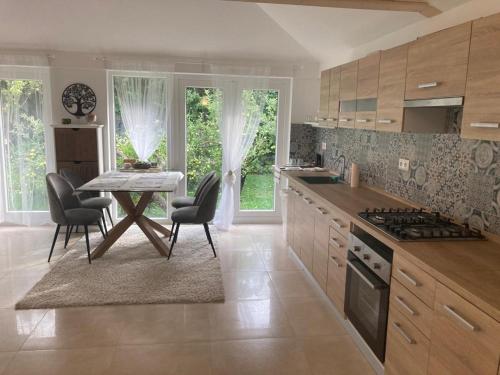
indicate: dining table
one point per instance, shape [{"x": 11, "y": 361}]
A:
[{"x": 123, "y": 186}]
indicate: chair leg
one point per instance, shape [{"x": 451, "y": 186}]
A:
[
  {"x": 76, "y": 230},
  {"x": 174, "y": 240},
  {"x": 88, "y": 243},
  {"x": 209, "y": 237},
  {"x": 68, "y": 233},
  {"x": 104, "y": 223},
  {"x": 109, "y": 214},
  {"x": 100, "y": 228},
  {"x": 172, "y": 230},
  {"x": 54, "y": 241}
]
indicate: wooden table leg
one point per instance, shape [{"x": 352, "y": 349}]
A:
[
  {"x": 152, "y": 236},
  {"x": 134, "y": 215},
  {"x": 113, "y": 235},
  {"x": 158, "y": 227}
]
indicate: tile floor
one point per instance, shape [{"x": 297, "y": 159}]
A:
[{"x": 273, "y": 320}]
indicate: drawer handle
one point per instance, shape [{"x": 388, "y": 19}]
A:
[
  {"x": 308, "y": 200},
  {"x": 362, "y": 120},
  {"x": 405, "y": 306},
  {"x": 398, "y": 328},
  {"x": 344, "y": 120},
  {"x": 385, "y": 121},
  {"x": 461, "y": 319},
  {"x": 335, "y": 243},
  {"x": 334, "y": 260},
  {"x": 410, "y": 279},
  {"x": 322, "y": 211},
  {"x": 330, "y": 119},
  {"x": 428, "y": 85},
  {"x": 336, "y": 224},
  {"x": 491, "y": 125}
]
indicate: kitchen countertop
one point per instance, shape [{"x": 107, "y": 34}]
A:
[{"x": 470, "y": 268}]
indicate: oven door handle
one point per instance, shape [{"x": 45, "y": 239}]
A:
[{"x": 370, "y": 283}]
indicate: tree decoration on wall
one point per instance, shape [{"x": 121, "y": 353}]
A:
[{"x": 79, "y": 99}]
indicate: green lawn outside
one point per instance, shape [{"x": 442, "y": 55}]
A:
[{"x": 258, "y": 192}]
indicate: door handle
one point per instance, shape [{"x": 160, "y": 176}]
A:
[
  {"x": 363, "y": 277},
  {"x": 460, "y": 318}
]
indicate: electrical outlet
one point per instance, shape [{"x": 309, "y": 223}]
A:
[
  {"x": 323, "y": 146},
  {"x": 404, "y": 165}
]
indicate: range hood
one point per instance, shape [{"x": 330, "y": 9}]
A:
[
  {"x": 438, "y": 116},
  {"x": 437, "y": 102}
]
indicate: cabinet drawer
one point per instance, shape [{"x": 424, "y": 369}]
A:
[
  {"x": 338, "y": 243},
  {"x": 437, "y": 64},
  {"x": 411, "y": 307},
  {"x": 339, "y": 223},
  {"x": 407, "y": 349},
  {"x": 320, "y": 264},
  {"x": 335, "y": 288},
  {"x": 464, "y": 339},
  {"x": 415, "y": 280}
]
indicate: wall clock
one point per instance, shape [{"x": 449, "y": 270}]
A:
[{"x": 79, "y": 99}]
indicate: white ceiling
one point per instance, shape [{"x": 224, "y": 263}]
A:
[{"x": 195, "y": 28}]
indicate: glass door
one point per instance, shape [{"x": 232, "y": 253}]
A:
[
  {"x": 24, "y": 107},
  {"x": 152, "y": 106}
]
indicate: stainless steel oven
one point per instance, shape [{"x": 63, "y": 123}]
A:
[{"x": 367, "y": 288}]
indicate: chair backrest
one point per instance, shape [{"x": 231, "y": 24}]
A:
[
  {"x": 60, "y": 194},
  {"x": 75, "y": 180},
  {"x": 203, "y": 182},
  {"x": 208, "y": 200}
]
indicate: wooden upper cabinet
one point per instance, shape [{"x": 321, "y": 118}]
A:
[
  {"x": 391, "y": 89},
  {"x": 368, "y": 71},
  {"x": 324, "y": 96},
  {"x": 75, "y": 144},
  {"x": 481, "y": 117},
  {"x": 437, "y": 64},
  {"x": 464, "y": 340},
  {"x": 348, "y": 81},
  {"x": 334, "y": 97}
]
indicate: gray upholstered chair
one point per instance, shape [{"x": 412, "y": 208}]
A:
[
  {"x": 186, "y": 201},
  {"x": 86, "y": 199},
  {"x": 201, "y": 212},
  {"x": 65, "y": 210}
]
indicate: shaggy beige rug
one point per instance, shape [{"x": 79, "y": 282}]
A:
[{"x": 132, "y": 272}]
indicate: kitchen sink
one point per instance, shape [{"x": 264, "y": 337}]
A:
[{"x": 320, "y": 179}]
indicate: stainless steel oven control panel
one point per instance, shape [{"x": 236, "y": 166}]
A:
[{"x": 371, "y": 258}]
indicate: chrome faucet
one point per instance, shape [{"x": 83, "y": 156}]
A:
[{"x": 336, "y": 164}]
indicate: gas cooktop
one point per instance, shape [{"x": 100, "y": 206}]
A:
[{"x": 418, "y": 225}]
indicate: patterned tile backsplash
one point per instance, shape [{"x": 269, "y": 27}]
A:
[{"x": 459, "y": 178}]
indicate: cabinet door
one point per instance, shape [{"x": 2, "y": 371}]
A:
[
  {"x": 289, "y": 218},
  {"x": 348, "y": 81},
  {"x": 368, "y": 71},
  {"x": 482, "y": 97},
  {"x": 437, "y": 64},
  {"x": 321, "y": 236},
  {"x": 407, "y": 349},
  {"x": 464, "y": 340},
  {"x": 87, "y": 170},
  {"x": 307, "y": 212},
  {"x": 324, "y": 95},
  {"x": 76, "y": 144},
  {"x": 333, "y": 107},
  {"x": 391, "y": 89}
]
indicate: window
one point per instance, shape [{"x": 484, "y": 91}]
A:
[{"x": 24, "y": 107}]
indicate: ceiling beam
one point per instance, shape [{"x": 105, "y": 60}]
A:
[{"x": 421, "y": 7}]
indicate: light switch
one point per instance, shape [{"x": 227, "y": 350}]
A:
[{"x": 323, "y": 146}]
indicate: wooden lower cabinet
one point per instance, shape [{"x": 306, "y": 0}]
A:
[
  {"x": 290, "y": 214},
  {"x": 335, "y": 286},
  {"x": 407, "y": 349},
  {"x": 321, "y": 238},
  {"x": 304, "y": 236},
  {"x": 87, "y": 170},
  {"x": 464, "y": 339}
]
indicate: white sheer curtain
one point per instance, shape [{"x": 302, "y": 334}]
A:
[
  {"x": 143, "y": 103},
  {"x": 25, "y": 141},
  {"x": 240, "y": 119}
]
